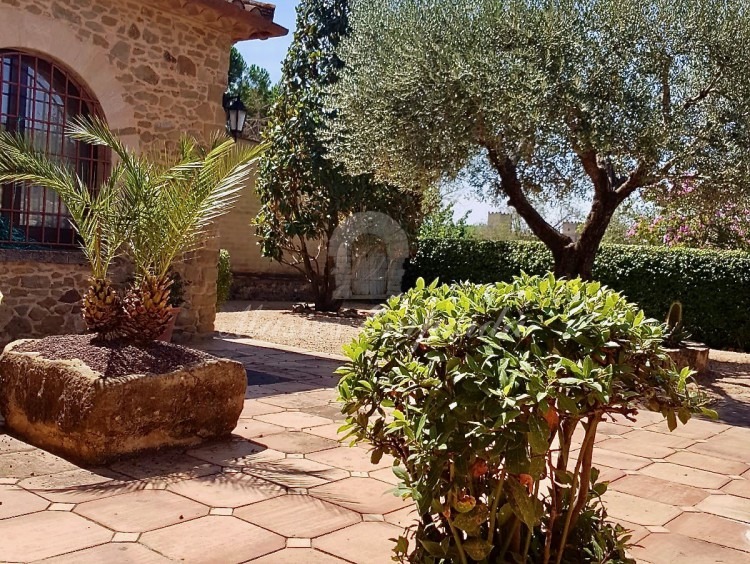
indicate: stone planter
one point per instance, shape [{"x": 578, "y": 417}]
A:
[
  {"x": 65, "y": 407},
  {"x": 693, "y": 355}
]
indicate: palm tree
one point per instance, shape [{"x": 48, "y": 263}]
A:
[{"x": 147, "y": 211}]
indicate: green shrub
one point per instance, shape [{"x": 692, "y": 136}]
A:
[
  {"x": 477, "y": 391},
  {"x": 713, "y": 286},
  {"x": 224, "y": 281}
]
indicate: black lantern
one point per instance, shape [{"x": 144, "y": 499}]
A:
[{"x": 236, "y": 116}]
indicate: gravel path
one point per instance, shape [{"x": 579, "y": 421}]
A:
[{"x": 274, "y": 322}]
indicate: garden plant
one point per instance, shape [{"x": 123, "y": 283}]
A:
[
  {"x": 146, "y": 211},
  {"x": 489, "y": 397}
]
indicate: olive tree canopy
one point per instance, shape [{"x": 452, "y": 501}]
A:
[{"x": 599, "y": 98}]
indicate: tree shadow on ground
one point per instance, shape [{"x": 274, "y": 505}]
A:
[{"x": 728, "y": 385}]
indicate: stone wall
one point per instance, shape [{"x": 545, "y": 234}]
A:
[
  {"x": 158, "y": 72},
  {"x": 42, "y": 293}
]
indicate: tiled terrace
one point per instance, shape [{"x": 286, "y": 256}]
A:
[{"x": 284, "y": 491}]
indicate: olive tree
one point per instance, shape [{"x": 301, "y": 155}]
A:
[{"x": 595, "y": 98}]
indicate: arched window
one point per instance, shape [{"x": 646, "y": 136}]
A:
[{"x": 38, "y": 100}]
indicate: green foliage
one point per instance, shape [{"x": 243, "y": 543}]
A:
[
  {"x": 477, "y": 391},
  {"x": 252, "y": 84},
  {"x": 600, "y": 98},
  {"x": 224, "y": 281},
  {"x": 148, "y": 211},
  {"x": 715, "y": 284},
  {"x": 303, "y": 195},
  {"x": 440, "y": 223}
]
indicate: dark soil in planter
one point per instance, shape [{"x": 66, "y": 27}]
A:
[{"x": 117, "y": 358}]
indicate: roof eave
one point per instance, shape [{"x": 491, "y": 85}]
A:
[{"x": 244, "y": 24}]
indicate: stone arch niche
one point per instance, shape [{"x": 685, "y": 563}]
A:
[
  {"x": 368, "y": 226},
  {"x": 92, "y": 66}
]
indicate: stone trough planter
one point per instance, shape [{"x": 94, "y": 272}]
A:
[
  {"x": 67, "y": 408},
  {"x": 693, "y": 355}
]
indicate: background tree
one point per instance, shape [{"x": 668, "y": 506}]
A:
[
  {"x": 252, "y": 84},
  {"x": 304, "y": 196},
  {"x": 599, "y": 98}
]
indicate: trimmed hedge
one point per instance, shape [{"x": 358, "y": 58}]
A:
[{"x": 713, "y": 286}]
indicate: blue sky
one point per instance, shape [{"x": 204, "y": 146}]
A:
[{"x": 269, "y": 54}]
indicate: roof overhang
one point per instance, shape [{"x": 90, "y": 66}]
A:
[{"x": 245, "y": 19}]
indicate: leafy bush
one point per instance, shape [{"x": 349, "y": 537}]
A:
[
  {"x": 713, "y": 286},
  {"x": 480, "y": 393},
  {"x": 224, "y": 281}
]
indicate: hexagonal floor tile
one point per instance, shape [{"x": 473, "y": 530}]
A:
[
  {"x": 294, "y": 442},
  {"x": 61, "y": 531},
  {"x": 363, "y": 495},
  {"x": 661, "y": 548},
  {"x": 296, "y": 472},
  {"x": 299, "y": 516},
  {"x": 252, "y": 428},
  {"x": 141, "y": 511},
  {"x": 365, "y": 543},
  {"x": 77, "y": 486},
  {"x": 298, "y": 556},
  {"x": 10, "y": 444},
  {"x": 112, "y": 553},
  {"x": 14, "y": 502},
  {"x": 649, "y": 487},
  {"x": 25, "y": 464},
  {"x": 730, "y": 506},
  {"x": 294, "y": 419},
  {"x": 637, "y": 510},
  {"x": 213, "y": 539},
  {"x": 687, "y": 476},
  {"x": 711, "y": 528},
  {"x": 236, "y": 453},
  {"x": 165, "y": 467},
  {"x": 351, "y": 459},
  {"x": 227, "y": 490}
]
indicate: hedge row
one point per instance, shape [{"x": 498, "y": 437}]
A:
[{"x": 713, "y": 286}]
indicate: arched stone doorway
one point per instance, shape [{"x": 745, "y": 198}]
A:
[{"x": 369, "y": 250}]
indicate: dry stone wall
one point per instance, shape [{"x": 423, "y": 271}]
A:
[{"x": 158, "y": 73}]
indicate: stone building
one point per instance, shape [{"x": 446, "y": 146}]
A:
[{"x": 153, "y": 70}]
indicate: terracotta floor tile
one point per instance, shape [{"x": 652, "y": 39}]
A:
[
  {"x": 235, "y": 453},
  {"x": 403, "y": 517},
  {"x": 227, "y": 490},
  {"x": 298, "y": 556},
  {"x": 294, "y": 419},
  {"x": 637, "y": 510},
  {"x": 619, "y": 460},
  {"x": 730, "y": 506},
  {"x": 165, "y": 467},
  {"x": 299, "y": 516},
  {"x": 78, "y": 486},
  {"x": 708, "y": 463},
  {"x": 141, "y": 511},
  {"x": 114, "y": 553},
  {"x": 661, "y": 548},
  {"x": 213, "y": 539},
  {"x": 26, "y": 464},
  {"x": 730, "y": 446},
  {"x": 363, "y": 495},
  {"x": 636, "y": 448},
  {"x": 648, "y": 487},
  {"x": 351, "y": 459},
  {"x": 14, "y": 502},
  {"x": 636, "y": 532},
  {"x": 330, "y": 431},
  {"x": 642, "y": 419},
  {"x": 365, "y": 543},
  {"x": 685, "y": 475},
  {"x": 712, "y": 529},
  {"x": 739, "y": 488},
  {"x": 331, "y": 411},
  {"x": 695, "y": 429},
  {"x": 385, "y": 475},
  {"x": 46, "y": 534},
  {"x": 10, "y": 444},
  {"x": 252, "y": 428},
  {"x": 652, "y": 438},
  {"x": 607, "y": 474},
  {"x": 255, "y": 407},
  {"x": 302, "y": 400},
  {"x": 296, "y": 472},
  {"x": 607, "y": 428},
  {"x": 295, "y": 442}
]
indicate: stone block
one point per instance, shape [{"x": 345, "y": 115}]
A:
[{"x": 65, "y": 407}]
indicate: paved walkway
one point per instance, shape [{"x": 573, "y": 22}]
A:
[{"x": 284, "y": 491}]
